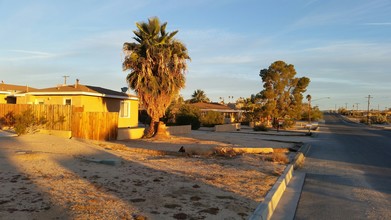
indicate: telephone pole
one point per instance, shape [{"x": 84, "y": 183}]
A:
[
  {"x": 65, "y": 80},
  {"x": 357, "y": 106},
  {"x": 369, "y": 103}
]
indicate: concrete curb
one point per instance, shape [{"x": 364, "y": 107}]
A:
[{"x": 266, "y": 208}]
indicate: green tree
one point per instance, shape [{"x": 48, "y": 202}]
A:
[
  {"x": 157, "y": 64},
  {"x": 283, "y": 92},
  {"x": 252, "y": 107},
  {"x": 199, "y": 96}
]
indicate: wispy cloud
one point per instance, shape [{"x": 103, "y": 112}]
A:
[
  {"x": 19, "y": 55},
  {"x": 378, "y": 24}
]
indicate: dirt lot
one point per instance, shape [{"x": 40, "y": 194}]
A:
[{"x": 46, "y": 177}]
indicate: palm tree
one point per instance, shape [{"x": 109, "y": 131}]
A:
[
  {"x": 157, "y": 64},
  {"x": 199, "y": 96},
  {"x": 308, "y": 97}
]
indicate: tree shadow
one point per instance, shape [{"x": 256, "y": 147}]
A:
[
  {"x": 20, "y": 196},
  {"x": 157, "y": 193}
]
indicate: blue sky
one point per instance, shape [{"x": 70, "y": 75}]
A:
[{"x": 343, "y": 46}]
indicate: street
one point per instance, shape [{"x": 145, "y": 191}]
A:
[{"x": 348, "y": 173}]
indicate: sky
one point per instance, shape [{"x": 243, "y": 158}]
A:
[{"x": 343, "y": 46}]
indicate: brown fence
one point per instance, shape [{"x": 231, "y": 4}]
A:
[
  {"x": 95, "y": 125},
  {"x": 87, "y": 125},
  {"x": 59, "y": 117}
]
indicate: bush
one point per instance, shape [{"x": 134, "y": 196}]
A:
[
  {"x": 288, "y": 123},
  {"x": 8, "y": 119},
  {"x": 189, "y": 115},
  {"x": 211, "y": 119},
  {"x": 378, "y": 119},
  {"x": 260, "y": 128},
  {"x": 27, "y": 122},
  {"x": 187, "y": 119}
]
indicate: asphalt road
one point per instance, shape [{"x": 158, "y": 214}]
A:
[{"x": 348, "y": 173}]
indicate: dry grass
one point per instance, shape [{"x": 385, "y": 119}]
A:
[
  {"x": 280, "y": 155},
  {"x": 223, "y": 185}
]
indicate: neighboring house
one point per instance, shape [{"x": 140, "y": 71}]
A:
[
  {"x": 91, "y": 98},
  {"x": 8, "y": 92},
  {"x": 231, "y": 115}
]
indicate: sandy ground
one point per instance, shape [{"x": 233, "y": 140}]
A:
[{"x": 47, "y": 177}]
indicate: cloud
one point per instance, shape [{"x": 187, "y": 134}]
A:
[
  {"x": 20, "y": 55},
  {"x": 378, "y": 24}
]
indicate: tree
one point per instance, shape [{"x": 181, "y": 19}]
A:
[
  {"x": 308, "y": 97},
  {"x": 199, "y": 96},
  {"x": 283, "y": 92},
  {"x": 157, "y": 64},
  {"x": 252, "y": 107}
]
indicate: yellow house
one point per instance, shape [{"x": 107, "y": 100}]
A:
[
  {"x": 90, "y": 98},
  {"x": 8, "y": 92}
]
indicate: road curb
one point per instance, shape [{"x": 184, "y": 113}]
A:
[{"x": 266, "y": 208}]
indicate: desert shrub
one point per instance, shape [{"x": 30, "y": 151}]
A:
[
  {"x": 288, "y": 123},
  {"x": 189, "y": 115},
  {"x": 260, "y": 128},
  {"x": 189, "y": 120},
  {"x": 27, "y": 122},
  {"x": 211, "y": 119},
  {"x": 8, "y": 119},
  {"x": 278, "y": 157},
  {"x": 363, "y": 120},
  {"x": 378, "y": 119}
]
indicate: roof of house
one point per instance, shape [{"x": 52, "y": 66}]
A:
[
  {"x": 10, "y": 88},
  {"x": 79, "y": 89},
  {"x": 214, "y": 107}
]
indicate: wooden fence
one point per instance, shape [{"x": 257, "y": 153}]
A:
[
  {"x": 95, "y": 125},
  {"x": 58, "y": 117},
  {"x": 88, "y": 125}
]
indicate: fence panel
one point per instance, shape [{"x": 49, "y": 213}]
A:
[
  {"x": 95, "y": 125},
  {"x": 87, "y": 125},
  {"x": 58, "y": 117}
]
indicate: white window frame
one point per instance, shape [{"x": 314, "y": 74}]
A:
[
  {"x": 65, "y": 101},
  {"x": 124, "y": 113}
]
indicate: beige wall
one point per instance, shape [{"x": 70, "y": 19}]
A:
[{"x": 90, "y": 104}]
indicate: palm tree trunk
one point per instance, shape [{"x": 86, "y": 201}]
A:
[
  {"x": 151, "y": 130},
  {"x": 161, "y": 132}
]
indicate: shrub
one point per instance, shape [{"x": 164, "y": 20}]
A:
[
  {"x": 189, "y": 115},
  {"x": 277, "y": 157},
  {"x": 27, "y": 122},
  {"x": 8, "y": 119},
  {"x": 211, "y": 119},
  {"x": 378, "y": 119},
  {"x": 188, "y": 120},
  {"x": 260, "y": 128}
]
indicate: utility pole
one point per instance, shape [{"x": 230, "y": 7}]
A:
[
  {"x": 346, "y": 106},
  {"x": 65, "y": 80},
  {"x": 357, "y": 106},
  {"x": 369, "y": 102}
]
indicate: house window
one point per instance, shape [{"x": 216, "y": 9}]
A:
[
  {"x": 68, "y": 101},
  {"x": 124, "y": 111}
]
